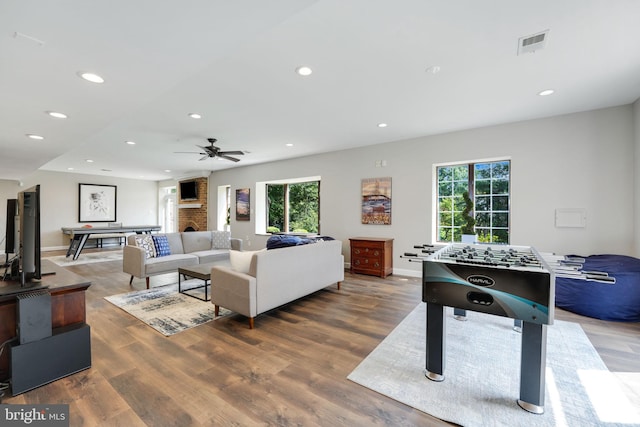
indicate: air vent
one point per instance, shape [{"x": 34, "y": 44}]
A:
[{"x": 530, "y": 44}]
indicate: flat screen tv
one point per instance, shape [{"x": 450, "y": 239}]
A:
[
  {"x": 188, "y": 190},
  {"x": 29, "y": 235}
]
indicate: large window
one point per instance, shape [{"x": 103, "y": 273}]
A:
[
  {"x": 488, "y": 186},
  {"x": 293, "y": 207}
]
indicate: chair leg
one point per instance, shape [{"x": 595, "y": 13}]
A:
[
  {"x": 147, "y": 282},
  {"x": 250, "y": 322},
  {"x": 338, "y": 285},
  {"x": 131, "y": 281},
  {"x": 216, "y": 310}
]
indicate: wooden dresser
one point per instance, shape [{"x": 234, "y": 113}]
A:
[{"x": 372, "y": 255}]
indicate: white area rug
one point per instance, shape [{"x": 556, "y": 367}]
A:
[
  {"x": 166, "y": 310},
  {"x": 86, "y": 258},
  {"x": 482, "y": 375}
]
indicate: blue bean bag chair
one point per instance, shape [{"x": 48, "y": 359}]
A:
[{"x": 619, "y": 301}]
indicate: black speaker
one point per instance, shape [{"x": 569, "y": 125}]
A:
[
  {"x": 65, "y": 352},
  {"x": 11, "y": 229},
  {"x": 33, "y": 315}
]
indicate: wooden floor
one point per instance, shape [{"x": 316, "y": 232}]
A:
[{"x": 289, "y": 371}]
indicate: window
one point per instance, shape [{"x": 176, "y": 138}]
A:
[
  {"x": 488, "y": 187},
  {"x": 293, "y": 207},
  {"x": 224, "y": 207}
]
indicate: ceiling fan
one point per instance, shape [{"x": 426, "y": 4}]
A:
[{"x": 212, "y": 152}]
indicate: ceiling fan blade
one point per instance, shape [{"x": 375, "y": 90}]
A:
[
  {"x": 233, "y": 159},
  {"x": 205, "y": 157},
  {"x": 233, "y": 153},
  {"x": 188, "y": 152}
]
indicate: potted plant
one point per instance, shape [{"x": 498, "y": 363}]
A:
[
  {"x": 227, "y": 224},
  {"x": 468, "y": 228}
]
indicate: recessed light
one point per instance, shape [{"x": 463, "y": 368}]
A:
[
  {"x": 32, "y": 136},
  {"x": 304, "y": 71},
  {"x": 69, "y": 169},
  {"x": 546, "y": 92},
  {"x": 289, "y": 145},
  {"x": 89, "y": 161},
  {"x": 167, "y": 170},
  {"x": 434, "y": 69},
  {"x": 195, "y": 116},
  {"x": 130, "y": 142},
  {"x": 382, "y": 125},
  {"x": 91, "y": 77},
  {"x": 57, "y": 115}
]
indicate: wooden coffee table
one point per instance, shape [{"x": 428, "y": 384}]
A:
[{"x": 200, "y": 271}]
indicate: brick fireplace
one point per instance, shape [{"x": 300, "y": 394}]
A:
[{"x": 192, "y": 214}]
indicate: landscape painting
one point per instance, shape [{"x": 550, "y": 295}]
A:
[
  {"x": 376, "y": 201},
  {"x": 243, "y": 212}
]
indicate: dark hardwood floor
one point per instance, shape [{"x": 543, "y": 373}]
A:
[{"x": 289, "y": 371}]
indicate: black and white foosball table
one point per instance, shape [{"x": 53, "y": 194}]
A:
[{"x": 509, "y": 281}]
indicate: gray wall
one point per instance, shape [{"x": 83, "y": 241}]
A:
[
  {"x": 137, "y": 202},
  {"x": 584, "y": 160}
]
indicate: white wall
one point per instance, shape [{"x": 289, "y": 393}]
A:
[
  {"x": 137, "y": 202},
  {"x": 583, "y": 160}
]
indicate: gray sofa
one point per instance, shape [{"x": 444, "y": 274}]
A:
[
  {"x": 262, "y": 280},
  {"x": 185, "y": 249}
]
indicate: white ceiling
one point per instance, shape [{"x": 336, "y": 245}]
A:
[{"x": 234, "y": 61}]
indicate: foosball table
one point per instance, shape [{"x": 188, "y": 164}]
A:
[{"x": 509, "y": 281}]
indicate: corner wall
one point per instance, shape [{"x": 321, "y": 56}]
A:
[
  {"x": 583, "y": 160},
  {"x": 636, "y": 121}
]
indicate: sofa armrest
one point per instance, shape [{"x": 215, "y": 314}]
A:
[
  {"x": 233, "y": 290},
  {"x": 133, "y": 261},
  {"x": 236, "y": 244}
]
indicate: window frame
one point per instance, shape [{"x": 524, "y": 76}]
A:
[
  {"x": 471, "y": 183},
  {"x": 262, "y": 203}
]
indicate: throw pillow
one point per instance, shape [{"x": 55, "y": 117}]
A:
[
  {"x": 161, "y": 243},
  {"x": 241, "y": 260},
  {"x": 146, "y": 242},
  {"x": 221, "y": 240}
]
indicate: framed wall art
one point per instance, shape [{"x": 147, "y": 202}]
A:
[
  {"x": 376, "y": 201},
  {"x": 243, "y": 212},
  {"x": 97, "y": 203}
]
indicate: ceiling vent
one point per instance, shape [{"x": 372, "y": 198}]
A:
[{"x": 530, "y": 44}]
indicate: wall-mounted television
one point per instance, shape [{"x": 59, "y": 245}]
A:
[
  {"x": 188, "y": 190},
  {"x": 29, "y": 235}
]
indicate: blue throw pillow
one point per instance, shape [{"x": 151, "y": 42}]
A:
[{"x": 162, "y": 246}]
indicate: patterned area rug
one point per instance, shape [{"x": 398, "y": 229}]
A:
[
  {"x": 482, "y": 375},
  {"x": 166, "y": 310},
  {"x": 86, "y": 258}
]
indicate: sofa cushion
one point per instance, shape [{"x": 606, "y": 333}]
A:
[
  {"x": 175, "y": 243},
  {"x": 221, "y": 240},
  {"x": 212, "y": 255},
  {"x": 169, "y": 263},
  {"x": 146, "y": 243},
  {"x": 162, "y": 246},
  {"x": 194, "y": 241}
]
